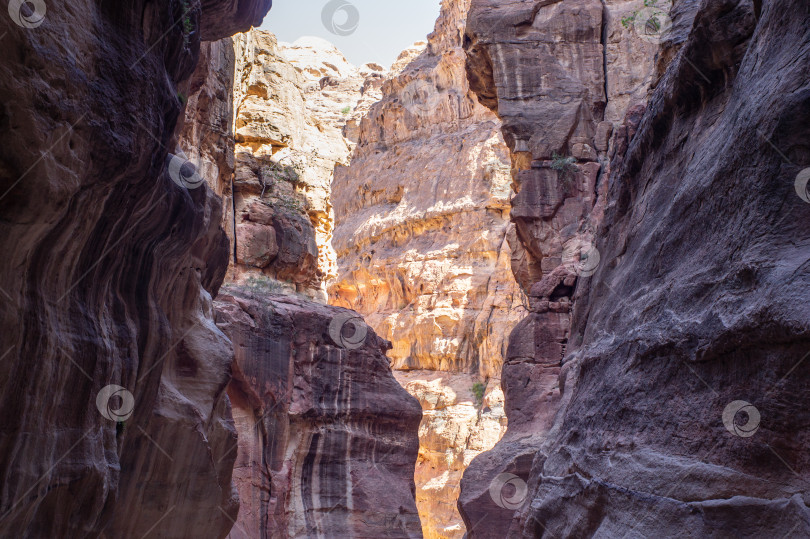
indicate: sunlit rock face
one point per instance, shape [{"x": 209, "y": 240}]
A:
[
  {"x": 683, "y": 376},
  {"x": 292, "y": 102},
  {"x": 327, "y": 438},
  {"x": 423, "y": 238},
  {"x": 112, "y": 373},
  {"x": 455, "y": 427}
]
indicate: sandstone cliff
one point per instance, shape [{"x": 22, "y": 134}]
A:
[
  {"x": 327, "y": 438},
  {"x": 681, "y": 401},
  {"x": 422, "y": 217},
  {"x": 291, "y": 104},
  {"x": 422, "y": 237},
  {"x": 113, "y": 374},
  {"x": 560, "y": 75}
]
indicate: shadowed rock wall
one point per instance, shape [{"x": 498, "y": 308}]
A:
[
  {"x": 560, "y": 75},
  {"x": 683, "y": 383},
  {"x": 113, "y": 374}
]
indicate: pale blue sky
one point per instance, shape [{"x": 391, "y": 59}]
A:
[{"x": 384, "y": 29}]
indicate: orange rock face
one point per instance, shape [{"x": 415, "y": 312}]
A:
[{"x": 423, "y": 236}]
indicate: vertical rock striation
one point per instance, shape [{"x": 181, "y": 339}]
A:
[
  {"x": 560, "y": 76},
  {"x": 683, "y": 378},
  {"x": 113, "y": 373},
  {"x": 327, "y": 438},
  {"x": 422, "y": 237}
]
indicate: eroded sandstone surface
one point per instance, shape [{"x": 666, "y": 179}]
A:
[
  {"x": 292, "y": 102},
  {"x": 561, "y": 77},
  {"x": 112, "y": 380},
  {"x": 681, "y": 404},
  {"x": 327, "y": 437},
  {"x": 423, "y": 238}
]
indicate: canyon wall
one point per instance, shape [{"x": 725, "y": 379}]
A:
[
  {"x": 423, "y": 238},
  {"x": 682, "y": 374},
  {"x": 327, "y": 437},
  {"x": 560, "y": 76},
  {"x": 113, "y": 373},
  {"x": 291, "y": 104}
]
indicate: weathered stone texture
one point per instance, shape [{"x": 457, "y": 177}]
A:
[
  {"x": 560, "y": 75},
  {"x": 696, "y": 303},
  {"x": 327, "y": 437},
  {"x": 107, "y": 276}
]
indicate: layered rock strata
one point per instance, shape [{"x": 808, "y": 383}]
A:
[
  {"x": 291, "y": 104},
  {"x": 327, "y": 438},
  {"x": 422, "y": 237},
  {"x": 113, "y": 374},
  {"x": 694, "y": 304}
]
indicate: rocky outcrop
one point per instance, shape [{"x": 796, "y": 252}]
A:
[
  {"x": 113, "y": 373},
  {"x": 684, "y": 373},
  {"x": 292, "y": 102},
  {"x": 327, "y": 438},
  {"x": 710, "y": 312},
  {"x": 561, "y": 76},
  {"x": 422, "y": 236}
]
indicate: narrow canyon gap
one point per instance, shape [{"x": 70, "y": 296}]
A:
[{"x": 544, "y": 276}]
